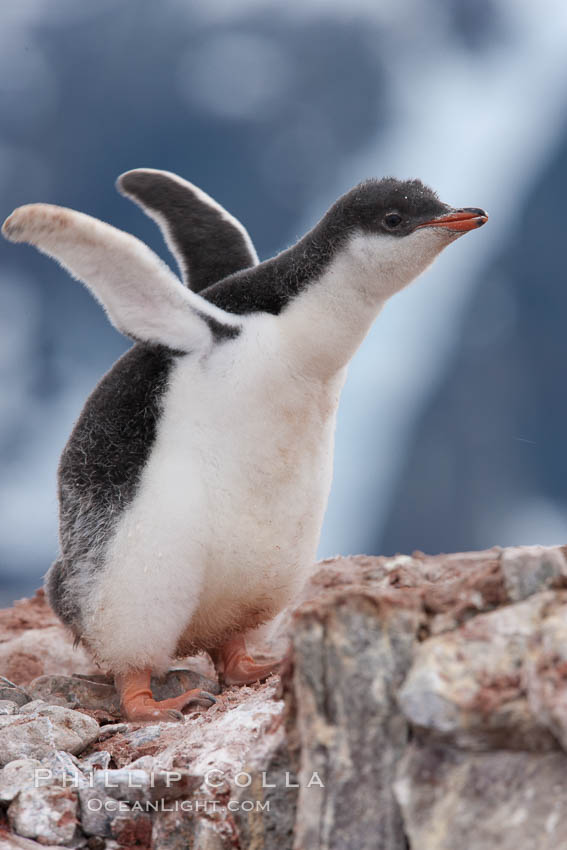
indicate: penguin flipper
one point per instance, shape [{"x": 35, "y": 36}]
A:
[
  {"x": 142, "y": 297},
  {"x": 208, "y": 243}
]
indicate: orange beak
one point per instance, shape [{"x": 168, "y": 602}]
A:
[{"x": 459, "y": 220}]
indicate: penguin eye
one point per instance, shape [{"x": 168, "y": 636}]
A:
[{"x": 392, "y": 220}]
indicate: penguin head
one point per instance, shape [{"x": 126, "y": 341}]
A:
[
  {"x": 400, "y": 207},
  {"x": 395, "y": 228}
]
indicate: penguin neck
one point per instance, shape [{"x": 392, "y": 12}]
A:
[
  {"x": 325, "y": 291},
  {"x": 328, "y": 320},
  {"x": 271, "y": 286},
  {"x": 330, "y": 317}
]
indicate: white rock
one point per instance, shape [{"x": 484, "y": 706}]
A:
[
  {"x": 468, "y": 687},
  {"x": 17, "y": 776},
  {"x": 64, "y": 769},
  {"x": 145, "y": 735},
  {"x": 16, "y": 842},
  {"x": 48, "y": 813},
  {"x": 112, "y": 729},
  {"x": 33, "y": 706},
  {"x": 12, "y": 693},
  {"x": 529, "y": 569},
  {"x": 49, "y": 728},
  {"x": 97, "y": 811},
  {"x": 96, "y": 761},
  {"x": 124, "y": 784},
  {"x": 137, "y": 785},
  {"x": 7, "y": 706},
  {"x": 142, "y": 763},
  {"x": 51, "y": 647}
]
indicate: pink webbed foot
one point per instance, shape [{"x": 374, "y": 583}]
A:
[
  {"x": 138, "y": 703},
  {"x": 239, "y": 668}
]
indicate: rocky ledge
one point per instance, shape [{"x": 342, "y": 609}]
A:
[{"x": 422, "y": 705}]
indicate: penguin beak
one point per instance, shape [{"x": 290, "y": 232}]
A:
[{"x": 459, "y": 221}]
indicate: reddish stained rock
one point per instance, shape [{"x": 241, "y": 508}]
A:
[
  {"x": 133, "y": 829},
  {"x": 449, "y": 589},
  {"x": 47, "y": 813},
  {"x": 468, "y": 686},
  {"x": 451, "y": 799},
  {"x": 546, "y": 668},
  {"x": 446, "y": 637},
  {"x": 24, "y": 614}
]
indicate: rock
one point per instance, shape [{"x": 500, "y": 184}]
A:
[
  {"x": 120, "y": 813},
  {"x": 64, "y": 769},
  {"x": 530, "y": 569},
  {"x": 209, "y": 837},
  {"x": 14, "y": 695},
  {"x": 58, "y": 768},
  {"x": 467, "y": 686},
  {"x": 267, "y": 807},
  {"x": 480, "y": 801},
  {"x": 96, "y": 842},
  {"x": 222, "y": 737},
  {"x": 18, "y": 775},
  {"x": 112, "y": 729},
  {"x": 97, "y": 693},
  {"x": 8, "y": 707},
  {"x": 132, "y": 828},
  {"x": 33, "y": 706},
  {"x": 119, "y": 803},
  {"x": 96, "y": 811},
  {"x": 49, "y": 728},
  {"x": 16, "y": 842},
  {"x": 137, "y": 785},
  {"x": 75, "y": 691},
  {"x": 178, "y": 830},
  {"x": 174, "y": 831},
  {"x": 129, "y": 785},
  {"x": 33, "y": 642},
  {"x": 143, "y": 763},
  {"x": 178, "y": 680},
  {"x": 350, "y": 653},
  {"x": 146, "y": 735},
  {"x": 545, "y": 668},
  {"x": 47, "y": 651},
  {"x": 96, "y": 761},
  {"x": 422, "y": 706},
  {"x": 48, "y": 813}
]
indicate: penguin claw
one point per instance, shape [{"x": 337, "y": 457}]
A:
[
  {"x": 176, "y": 716},
  {"x": 207, "y": 698}
]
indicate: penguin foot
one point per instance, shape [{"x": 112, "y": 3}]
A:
[
  {"x": 138, "y": 703},
  {"x": 239, "y": 668}
]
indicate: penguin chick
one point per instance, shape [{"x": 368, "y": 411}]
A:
[{"x": 194, "y": 484}]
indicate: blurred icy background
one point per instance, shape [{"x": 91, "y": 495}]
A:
[{"x": 451, "y": 432}]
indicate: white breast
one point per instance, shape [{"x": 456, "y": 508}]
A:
[{"x": 227, "y": 517}]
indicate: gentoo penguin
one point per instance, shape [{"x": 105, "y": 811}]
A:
[{"x": 194, "y": 484}]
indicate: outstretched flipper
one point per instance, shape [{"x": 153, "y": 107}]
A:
[
  {"x": 141, "y": 295},
  {"x": 208, "y": 243}
]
